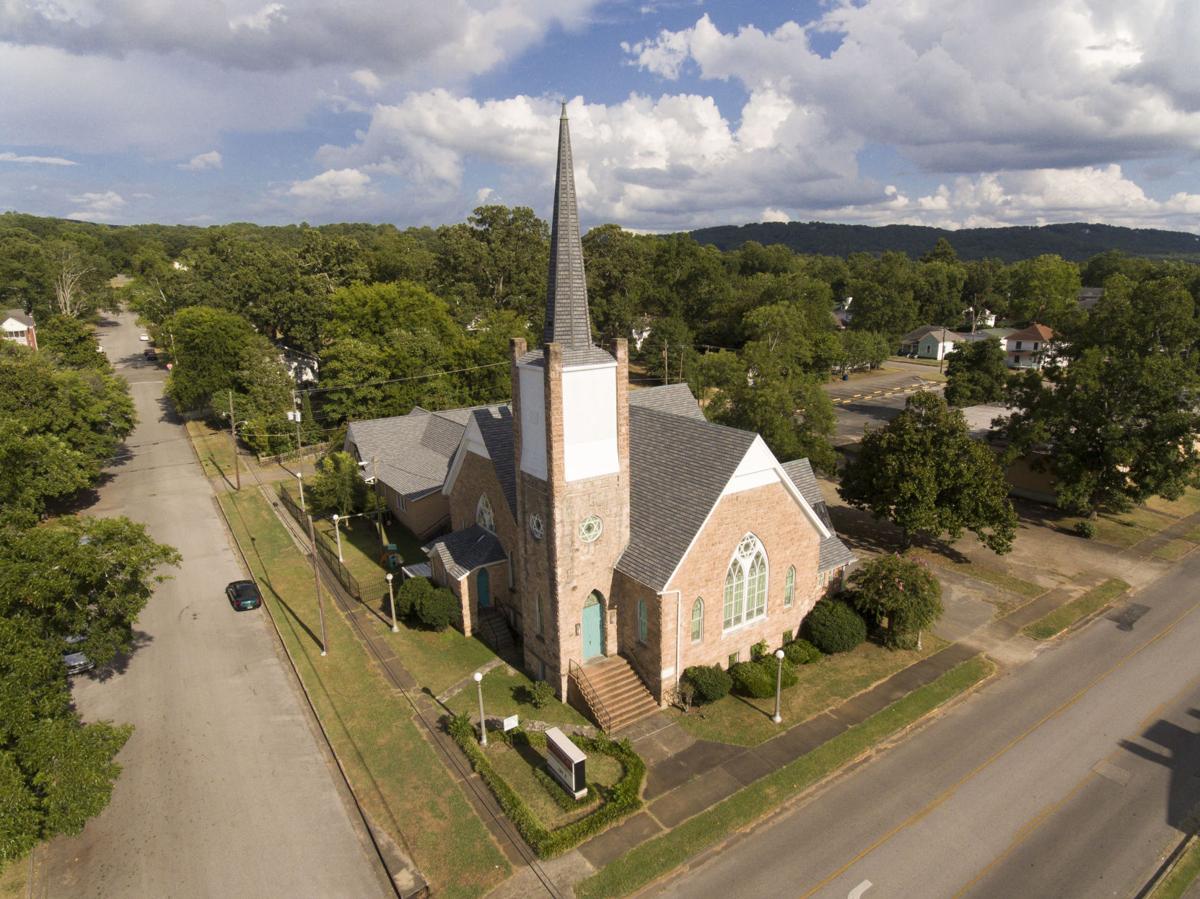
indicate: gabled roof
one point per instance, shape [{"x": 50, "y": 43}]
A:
[
  {"x": 833, "y": 552},
  {"x": 463, "y": 551},
  {"x": 20, "y": 316},
  {"x": 412, "y": 451},
  {"x": 925, "y": 330},
  {"x": 493, "y": 424},
  {"x": 674, "y": 398},
  {"x": 678, "y": 467},
  {"x": 1033, "y": 332}
]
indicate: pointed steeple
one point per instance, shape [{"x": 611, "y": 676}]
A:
[{"x": 567, "y": 321}]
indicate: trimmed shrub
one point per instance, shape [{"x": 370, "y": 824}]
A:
[
  {"x": 757, "y": 679},
  {"x": 801, "y": 652},
  {"x": 709, "y": 681},
  {"x": 541, "y": 694},
  {"x": 436, "y": 609},
  {"x": 834, "y": 626},
  {"x": 409, "y": 595},
  {"x": 1085, "y": 529},
  {"x": 758, "y": 650}
]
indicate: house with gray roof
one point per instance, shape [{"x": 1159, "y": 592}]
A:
[
  {"x": 614, "y": 534},
  {"x": 17, "y": 326}
]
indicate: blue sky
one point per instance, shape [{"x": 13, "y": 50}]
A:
[{"x": 959, "y": 113}]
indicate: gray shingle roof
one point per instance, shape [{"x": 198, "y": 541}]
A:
[
  {"x": 464, "y": 551},
  {"x": 566, "y": 292},
  {"x": 495, "y": 426},
  {"x": 678, "y": 468},
  {"x": 833, "y": 552},
  {"x": 674, "y": 398},
  {"x": 19, "y": 315},
  {"x": 588, "y": 355}
]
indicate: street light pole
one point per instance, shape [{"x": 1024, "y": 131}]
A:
[
  {"x": 233, "y": 442},
  {"x": 338, "y": 533},
  {"x": 312, "y": 539},
  {"x": 779, "y": 654},
  {"x": 392, "y": 603},
  {"x": 482, "y": 721},
  {"x": 300, "y": 481}
]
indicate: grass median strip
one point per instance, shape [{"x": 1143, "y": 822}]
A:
[
  {"x": 1066, "y": 615},
  {"x": 396, "y": 774},
  {"x": 663, "y": 854},
  {"x": 1181, "y": 876}
]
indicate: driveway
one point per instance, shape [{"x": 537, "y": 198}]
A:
[{"x": 226, "y": 788}]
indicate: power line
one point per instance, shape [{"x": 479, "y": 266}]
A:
[{"x": 435, "y": 374}]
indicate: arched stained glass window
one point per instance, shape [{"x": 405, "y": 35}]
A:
[
  {"x": 746, "y": 584},
  {"x": 789, "y": 588},
  {"x": 483, "y": 514},
  {"x": 698, "y": 620}
]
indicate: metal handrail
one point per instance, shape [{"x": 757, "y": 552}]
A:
[{"x": 575, "y": 670}]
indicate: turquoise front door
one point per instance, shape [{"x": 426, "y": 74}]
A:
[
  {"x": 593, "y": 628},
  {"x": 483, "y": 586}
]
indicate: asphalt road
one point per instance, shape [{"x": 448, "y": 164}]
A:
[
  {"x": 1070, "y": 776},
  {"x": 226, "y": 790},
  {"x": 874, "y": 401}
]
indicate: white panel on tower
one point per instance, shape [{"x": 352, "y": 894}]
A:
[
  {"x": 533, "y": 420},
  {"x": 590, "y": 421}
]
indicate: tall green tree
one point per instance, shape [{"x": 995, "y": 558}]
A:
[
  {"x": 208, "y": 347},
  {"x": 337, "y": 486},
  {"x": 924, "y": 473},
  {"x": 1045, "y": 289},
  {"x": 901, "y": 592},
  {"x": 976, "y": 373},
  {"x": 71, "y": 342}
]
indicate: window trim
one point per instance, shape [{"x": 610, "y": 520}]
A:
[
  {"x": 736, "y": 605},
  {"x": 643, "y": 620},
  {"x": 484, "y": 516},
  {"x": 697, "y": 631},
  {"x": 789, "y": 588}
]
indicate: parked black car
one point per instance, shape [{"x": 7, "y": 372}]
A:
[{"x": 243, "y": 595}]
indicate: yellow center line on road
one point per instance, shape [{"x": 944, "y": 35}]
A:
[
  {"x": 953, "y": 788},
  {"x": 1030, "y": 827}
]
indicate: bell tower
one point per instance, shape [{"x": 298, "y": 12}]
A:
[{"x": 571, "y": 454}]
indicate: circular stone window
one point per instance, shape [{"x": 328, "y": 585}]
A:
[
  {"x": 590, "y": 528},
  {"x": 536, "y": 526}
]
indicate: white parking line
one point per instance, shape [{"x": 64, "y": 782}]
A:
[{"x": 857, "y": 892}]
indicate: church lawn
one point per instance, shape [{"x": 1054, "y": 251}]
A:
[
  {"x": 1066, "y": 615},
  {"x": 1125, "y": 529},
  {"x": 659, "y": 856},
  {"x": 822, "y": 685},
  {"x": 14, "y": 878},
  {"x": 516, "y": 765},
  {"x": 396, "y": 774},
  {"x": 504, "y": 694}
]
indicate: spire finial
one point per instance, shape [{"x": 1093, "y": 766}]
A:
[{"x": 564, "y": 108}]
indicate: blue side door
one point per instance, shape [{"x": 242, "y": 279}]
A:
[
  {"x": 483, "y": 586},
  {"x": 593, "y": 630}
]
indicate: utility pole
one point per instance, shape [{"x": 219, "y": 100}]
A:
[
  {"x": 299, "y": 443},
  {"x": 378, "y": 506},
  {"x": 233, "y": 442},
  {"x": 312, "y": 539}
]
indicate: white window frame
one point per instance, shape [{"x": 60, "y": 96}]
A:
[
  {"x": 789, "y": 590},
  {"x": 697, "y": 630},
  {"x": 484, "y": 516},
  {"x": 740, "y": 606}
]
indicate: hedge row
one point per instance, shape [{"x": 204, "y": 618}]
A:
[{"x": 623, "y": 799}]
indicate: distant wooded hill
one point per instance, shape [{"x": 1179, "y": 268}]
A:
[{"x": 1076, "y": 241}]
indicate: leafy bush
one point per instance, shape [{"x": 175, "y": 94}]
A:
[
  {"x": 1085, "y": 529},
  {"x": 757, "y": 679},
  {"x": 709, "y": 681},
  {"x": 436, "y": 609},
  {"x": 835, "y": 627},
  {"x": 801, "y": 652},
  {"x": 541, "y": 694},
  {"x": 903, "y": 592},
  {"x": 410, "y": 594},
  {"x": 758, "y": 650}
]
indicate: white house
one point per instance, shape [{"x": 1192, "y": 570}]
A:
[
  {"x": 930, "y": 342},
  {"x": 19, "y": 328},
  {"x": 1031, "y": 347}
]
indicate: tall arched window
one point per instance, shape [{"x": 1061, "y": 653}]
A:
[
  {"x": 789, "y": 588},
  {"x": 483, "y": 514},
  {"x": 643, "y": 621},
  {"x": 746, "y": 583},
  {"x": 698, "y": 620}
]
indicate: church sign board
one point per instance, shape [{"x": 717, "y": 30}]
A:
[{"x": 566, "y": 762}]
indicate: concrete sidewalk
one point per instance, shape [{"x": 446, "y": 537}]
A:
[{"x": 687, "y": 781}]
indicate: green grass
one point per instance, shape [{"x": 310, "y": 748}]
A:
[
  {"x": 14, "y": 878},
  {"x": 993, "y": 576},
  {"x": 1173, "y": 550},
  {"x": 1181, "y": 876},
  {"x": 822, "y": 685},
  {"x": 664, "y": 853},
  {"x": 214, "y": 450},
  {"x": 1125, "y": 529},
  {"x": 504, "y": 692},
  {"x": 516, "y": 766},
  {"x": 1193, "y": 536},
  {"x": 1066, "y": 615},
  {"x": 396, "y": 773}
]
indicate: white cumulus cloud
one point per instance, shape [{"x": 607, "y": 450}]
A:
[
  {"x": 332, "y": 186},
  {"x": 202, "y": 162},
  {"x": 99, "y": 206},
  {"x": 36, "y": 160}
]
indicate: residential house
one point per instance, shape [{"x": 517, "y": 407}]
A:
[
  {"x": 1031, "y": 347},
  {"x": 1088, "y": 297},
  {"x": 619, "y": 535},
  {"x": 930, "y": 342},
  {"x": 19, "y": 328}
]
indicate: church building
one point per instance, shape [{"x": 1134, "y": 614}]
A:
[{"x": 615, "y": 534}]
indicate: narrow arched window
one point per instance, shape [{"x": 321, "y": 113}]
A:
[
  {"x": 483, "y": 514},
  {"x": 746, "y": 583},
  {"x": 698, "y": 620},
  {"x": 643, "y": 621},
  {"x": 789, "y": 587}
]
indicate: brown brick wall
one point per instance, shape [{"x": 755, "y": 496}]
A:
[{"x": 424, "y": 516}]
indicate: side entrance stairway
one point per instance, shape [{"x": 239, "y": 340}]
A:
[
  {"x": 492, "y": 628},
  {"x": 614, "y": 693}
]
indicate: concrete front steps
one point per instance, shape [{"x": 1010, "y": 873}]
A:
[{"x": 624, "y": 697}]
